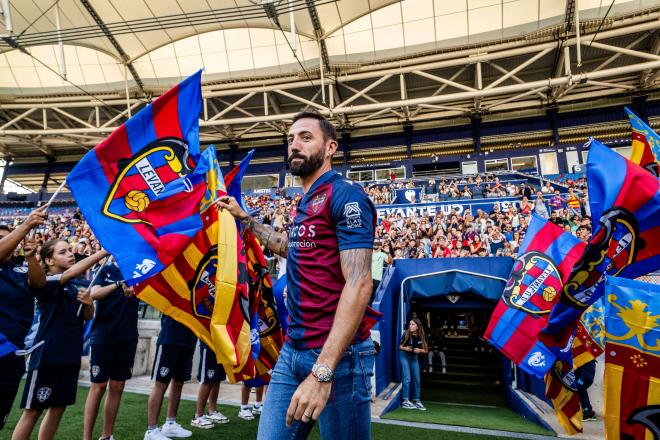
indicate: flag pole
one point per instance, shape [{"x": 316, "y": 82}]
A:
[
  {"x": 57, "y": 191},
  {"x": 47, "y": 205},
  {"x": 96, "y": 274}
]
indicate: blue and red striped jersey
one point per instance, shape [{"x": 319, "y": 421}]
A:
[{"x": 333, "y": 216}]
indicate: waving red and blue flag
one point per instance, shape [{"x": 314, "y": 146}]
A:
[
  {"x": 625, "y": 200},
  {"x": 125, "y": 185},
  {"x": 645, "y": 144},
  {"x": 546, "y": 258}
]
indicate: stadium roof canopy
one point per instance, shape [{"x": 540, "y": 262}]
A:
[{"x": 73, "y": 70}]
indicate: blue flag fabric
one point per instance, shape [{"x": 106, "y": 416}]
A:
[
  {"x": 6, "y": 347},
  {"x": 625, "y": 203},
  {"x": 537, "y": 277},
  {"x": 120, "y": 186}
]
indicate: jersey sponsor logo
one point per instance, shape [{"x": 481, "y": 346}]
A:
[
  {"x": 20, "y": 269},
  {"x": 43, "y": 394},
  {"x": 317, "y": 202},
  {"x": 354, "y": 223},
  {"x": 352, "y": 209},
  {"x": 142, "y": 177},
  {"x": 163, "y": 371},
  {"x": 304, "y": 244},
  {"x": 95, "y": 370},
  {"x": 302, "y": 231}
]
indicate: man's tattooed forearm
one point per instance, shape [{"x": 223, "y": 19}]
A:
[
  {"x": 275, "y": 241},
  {"x": 355, "y": 265}
]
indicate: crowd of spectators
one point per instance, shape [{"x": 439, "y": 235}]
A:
[{"x": 497, "y": 232}]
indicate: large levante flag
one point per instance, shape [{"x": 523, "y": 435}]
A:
[
  {"x": 546, "y": 257},
  {"x": 230, "y": 323},
  {"x": 645, "y": 144},
  {"x": 240, "y": 320},
  {"x": 632, "y": 360},
  {"x": 121, "y": 185},
  {"x": 625, "y": 201},
  {"x": 185, "y": 289}
]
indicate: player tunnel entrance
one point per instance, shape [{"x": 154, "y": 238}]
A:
[{"x": 455, "y": 307}]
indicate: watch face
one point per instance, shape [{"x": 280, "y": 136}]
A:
[{"x": 323, "y": 373}]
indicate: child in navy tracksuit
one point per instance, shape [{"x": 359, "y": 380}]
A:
[{"x": 54, "y": 363}]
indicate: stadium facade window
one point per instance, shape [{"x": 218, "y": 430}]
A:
[
  {"x": 290, "y": 180},
  {"x": 263, "y": 181},
  {"x": 524, "y": 163},
  {"x": 360, "y": 176},
  {"x": 386, "y": 173},
  {"x": 549, "y": 163},
  {"x": 470, "y": 167},
  {"x": 493, "y": 165},
  {"x": 572, "y": 159}
]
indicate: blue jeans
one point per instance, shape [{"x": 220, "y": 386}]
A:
[
  {"x": 410, "y": 370},
  {"x": 347, "y": 414}
]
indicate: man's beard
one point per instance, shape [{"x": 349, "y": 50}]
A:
[{"x": 309, "y": 164}]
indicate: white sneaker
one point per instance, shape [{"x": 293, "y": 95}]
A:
[
  {"x": 201, "y": 422},
  {"x": 155, "y": 434},
  {"x": 107, "y": 438},
  {"x": 407, "y": 404},
  {"x": 246, "y": 414},
  {"x": 217, "y": 417},
  {"x": 174, "y": 430},
  {"x": 256, "y": 409}
]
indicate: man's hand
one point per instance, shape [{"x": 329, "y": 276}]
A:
[
  {"x": 37, "y": 217},
  {"x": 30, "y": 247},
  {"x": 231, "y": 205},
  {"x": 308, "y": 401}
]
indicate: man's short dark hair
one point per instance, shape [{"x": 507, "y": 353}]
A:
[
  {"x": 329, "y": 131},
  {"x": 5, "y": 227}
]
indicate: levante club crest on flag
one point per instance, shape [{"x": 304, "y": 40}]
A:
[
  {"x": 536, "y": 279},
  {"x": 125, "y": 185},
  {"x": 625, "y": 203}
]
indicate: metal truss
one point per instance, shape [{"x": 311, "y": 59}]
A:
[{"x": 532, "y": 72}]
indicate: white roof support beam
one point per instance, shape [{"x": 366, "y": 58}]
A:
[
  {"x": 519, "y": 68},
  {"x": 363, "y": 91},
  {"x": 478, "y": 84},
  {"x": 18, "y": 118},
  {"x": 371, "y": 99},
  {"x": 232, "y": 106},
  {"x": 624, "y": 51},
  {"x": 444, "y": 81},
  {"x": 517, "y": 79}
]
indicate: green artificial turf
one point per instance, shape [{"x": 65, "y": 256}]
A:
[
  {"x": 132, "y": 419},
  {"x": 476, "y": 417}
]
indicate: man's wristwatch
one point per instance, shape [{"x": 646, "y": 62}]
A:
[{"x": 322, "y": 373}]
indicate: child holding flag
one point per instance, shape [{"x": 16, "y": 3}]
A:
[
  {"x": 54, "y": 363},
  {"x": 16, "y": 306}
]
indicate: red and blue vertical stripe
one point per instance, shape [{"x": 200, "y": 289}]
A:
[
  {"x": 514, "y": 331},
  {"x": 144, "y": 242},
  {"x": 625, "y": 206}
]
